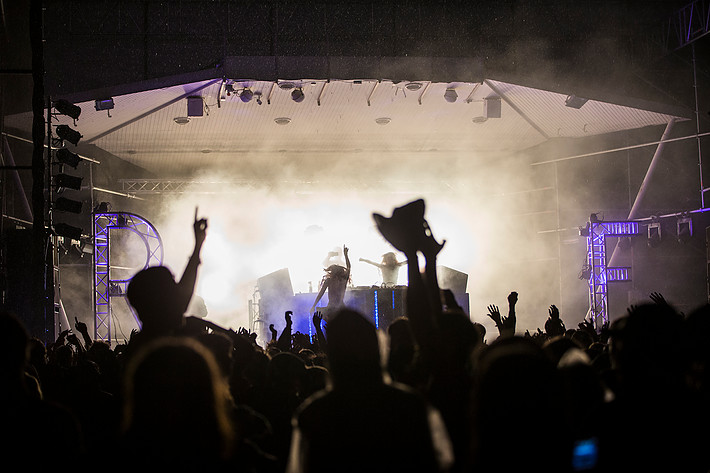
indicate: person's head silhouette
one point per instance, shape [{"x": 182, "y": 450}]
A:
[{"x": 158, "y": 299}]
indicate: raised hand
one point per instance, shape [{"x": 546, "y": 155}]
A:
[
  {"x": 287, "y": 316},
  {"x": 513, "y": 298},
  {"x": 554, "y": 312},
  {"x": 494, "y": 313},
  {"x": 200, "y": 229},
  {"x": 658, "y": 298},
  {"x": 273, "y": 331},
  {"x": 80, "y": 326},
  {"x": 317, "y": 319}
]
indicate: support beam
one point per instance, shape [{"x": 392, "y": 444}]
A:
[{"x": 633, "y": 213}]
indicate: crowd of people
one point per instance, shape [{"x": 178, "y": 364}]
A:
[{"x": 432, "y": 393}]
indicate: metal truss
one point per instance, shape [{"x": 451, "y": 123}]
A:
[
  {"x": 106, "y": 288},
  {"x": 686, "y": 25},
  {"x": 600, "y": 274}
]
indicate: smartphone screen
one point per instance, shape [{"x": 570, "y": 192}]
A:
[{"x": 584, "y": 455}]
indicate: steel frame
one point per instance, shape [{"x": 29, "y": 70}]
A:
[
  {"x": 106, "y": 288},
  {"x": 600, "y": 273}
]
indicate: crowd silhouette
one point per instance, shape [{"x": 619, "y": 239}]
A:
[{"x": 432, "y": 393}]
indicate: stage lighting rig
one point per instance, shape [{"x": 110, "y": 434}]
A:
[
  {"x": 104, "y": 104},
  {"x": 66, "y": 133},
  {"x": 67, "y": 108},
  {"x": 66, "y": 181},
  {"x": 246, "y": 95},
  {"x": 63, "y": 204},
  {"x": 68, "y": 231},
  {"x": 573, "y": 101},
  {"x": 297, "y": 95},
  {"x": 685, "y": 228},
  {"x": 450, "y": 95},
  {"x": 64, "y": 156},
  {"x": 654, "y": 234}
]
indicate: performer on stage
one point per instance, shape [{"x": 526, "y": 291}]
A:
[
  {"x": 389, "y": 268},
  {"x": 335, "y": 282}
]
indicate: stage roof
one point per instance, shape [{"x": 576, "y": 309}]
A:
[{"x": 150, "y": 125}]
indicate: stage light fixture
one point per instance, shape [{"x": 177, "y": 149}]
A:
[
  {"x": 67, "y": 108},
  {"x": 68, "y": 231},
  {"x": 63, "y": 204},
  {"x": 573, "y": 101},
  {"x": 246, "y": 95},
  {"x": 685, "y": 229},
  {"x": 102, "y": 208},
  {"x": 450, "y": 95},
  {"x": 584, "y": 231},
  {"x": 195, "y": 106},
  {"x": 67, "y": 181},
  {"x": 68, "y": 134},
  {"x": 297, "y": 95},
  {"x": 65, "y": 156},
  {"x": 586, "y": 272},
  {"x": 103, "y": 104},
  {"x": 654, "y": 234}
]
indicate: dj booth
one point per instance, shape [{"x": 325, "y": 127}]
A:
[{"x": 381, "y": 304}]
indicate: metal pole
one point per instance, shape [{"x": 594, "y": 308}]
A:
[
  {"x": 37, "y": 323},
  {"x": 644, "y": 184},
  {"x": 697, "y": 128}
]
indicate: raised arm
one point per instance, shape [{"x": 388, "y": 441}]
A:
[
  {"x": 189, "y": 276},
  {"x": 347, "y": 259},
  {"x": 323, "y": 288},
  {"x": 284, "y": 341},
  {"x": 370, "y": 262}
]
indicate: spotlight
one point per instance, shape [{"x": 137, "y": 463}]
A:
[
  {"x": 67, "y": 205},
  {"x": 67, "y": 181},
  {"x": 66, "y": 108},
  {"x": 65, "y": 156},
  {"x": 297, "y": 95},
  {"x": 450, "y": 95},
  {"x": 246, "y": 95},
  {"x": 62, "y": 229},
  {"x": 103, "y": 104},
  {"x": 685, "y": 229},
  {"x": 654, "y": 234},
  {"x": 584, "y": 231},
  {"x": 625, "y": 243},
  {"x": 573, "y": 101},
  {"x": 68, "y": 134},
  {"x": 586, "y": 272},
  {"x": 121, "y": 221}
]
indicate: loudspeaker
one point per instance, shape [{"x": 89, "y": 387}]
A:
[
  {"x": 275, "y": 294},
  {"x": 451, "y": 279},
  {"x": 491, "y": 107}
]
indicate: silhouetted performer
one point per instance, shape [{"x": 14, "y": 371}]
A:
[
  {"x": 335, "y": 282},
  {"x": 389, "y": 268}
]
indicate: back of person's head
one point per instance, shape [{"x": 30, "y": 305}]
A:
[
  {"x": 557, "y": 346},
  {"x": 353, "y": 350},
  {"x": 285, "y": 373},
  {"x": 13, "y": 347},
  {"x": 517, "y": 384},
  {"x": 460, "y": 336},
  {"x": 647, "y": 347},
  {"x": 155, "y": 295},
  {"x": 176, "y": 403}
]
